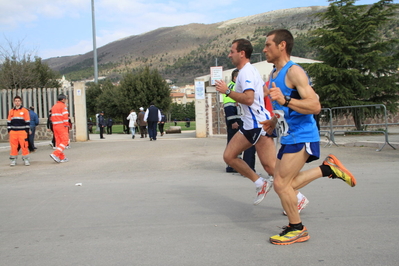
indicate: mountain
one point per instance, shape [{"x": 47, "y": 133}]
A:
[{"x": 183, "y": 52}]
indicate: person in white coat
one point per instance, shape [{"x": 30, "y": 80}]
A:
[{"x": 132, "y": 122}]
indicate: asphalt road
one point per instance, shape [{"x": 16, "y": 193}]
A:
[{"x": 120, "y": 201}]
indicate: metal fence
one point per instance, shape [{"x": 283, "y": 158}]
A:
[
  {"x": 336, "y": 125},
  {"x": 42, "y": 99}
]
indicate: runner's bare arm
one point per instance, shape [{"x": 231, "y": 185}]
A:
[
  {"x": 309, "y": 102},
  {"x": 247, "y": 97}
]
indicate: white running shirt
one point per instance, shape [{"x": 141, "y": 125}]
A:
[{"x": 250, "y": 79}]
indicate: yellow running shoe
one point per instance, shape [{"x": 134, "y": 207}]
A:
[
  {"x": 339, "y": 170},
  {"x": 290, "y": 236}
]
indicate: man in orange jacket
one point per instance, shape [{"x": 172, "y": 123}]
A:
[
  {"x": 60, "y": 121},
  {"x": 18, "y": 125}
]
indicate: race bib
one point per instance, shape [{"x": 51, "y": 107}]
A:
[{"x": 282, "y": 126}]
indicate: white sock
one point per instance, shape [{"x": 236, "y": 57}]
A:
[
  {"x": 259, "y": 182},
  {"x": 299, "y": 196}
]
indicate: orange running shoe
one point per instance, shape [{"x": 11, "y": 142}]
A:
[
  {"x": 290, "y": 236},
  {"x": 339, "y": 170}
]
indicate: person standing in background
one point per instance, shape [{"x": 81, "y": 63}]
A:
[
  {"x": 132, "y": 117},
  {"x": 162, "y": 122},
  {"x": 110, "y": 123},
  {"x": 34, "y": 122},
  {"x": 101, "y": 124},
  {"x": 18, "y": 126},
  {"x": 152, "y": 117},
  {"x": 97, "y": 125},
  {"x": 142, "y": 123}
]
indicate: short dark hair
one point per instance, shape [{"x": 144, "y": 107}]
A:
[
  {"x": 32, "y": 108},
  {"x": 244, "y": 45},
  {"x": 61, "y": 97},
  {"x": 283, "y": 35},
  {"x": 18, "y": 97},
  {"x": 234, "y": 74}
]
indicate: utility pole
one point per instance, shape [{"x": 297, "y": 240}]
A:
[{"x": 94, "y": 43}]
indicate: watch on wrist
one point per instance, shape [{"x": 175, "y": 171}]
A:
[
  {"x": 287, "y": 100},
  {"x": 228, "y": 92}
]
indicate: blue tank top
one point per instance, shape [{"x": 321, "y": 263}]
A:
[{"x": 294, "y": 127}]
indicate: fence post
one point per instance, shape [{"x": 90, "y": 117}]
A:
[{"x": 80, "y": 111}]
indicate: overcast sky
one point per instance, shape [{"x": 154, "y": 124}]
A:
[{"x": 51, "y": 28}]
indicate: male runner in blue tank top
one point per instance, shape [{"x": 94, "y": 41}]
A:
[
  {"x": 294, "y": 103},
  {"x": 249, "y": 94}
]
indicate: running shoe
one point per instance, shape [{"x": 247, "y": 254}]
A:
[
  {"x": 301, "y": 205},
  {"x": 339, "y": 170},
  {"x": 13, "y": 162},
  {"x": 290, "y": 235},
  {"x": 64, "y": 160},
  {"x": 55, "y": 158},
  {"x": 26, "y": 161},
  {"x": 262, "y": 191}
]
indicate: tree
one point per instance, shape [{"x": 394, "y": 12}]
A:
[
  {"x": 182, "y": 111},
  {"x": 45, "y": 77},
  {"x": 92, "y": 95},
  {"x": 142, "y": 87},
  {"x": 138, "y": 88},
  {"x": 360, "y": 65},
  {"x": 190, "y": 110},
  {"x": 21, "y": 70}
]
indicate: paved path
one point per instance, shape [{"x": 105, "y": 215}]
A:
[{"x": 169, "y": 202}]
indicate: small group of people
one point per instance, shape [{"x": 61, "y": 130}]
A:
[
  {"x": 21, "y": 126},
  {"x": 147, "y": 122},
  {"x": 144, "y": 122},
  {"x": 294, "y": 104}
]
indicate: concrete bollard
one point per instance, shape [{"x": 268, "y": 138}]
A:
[{"x": 173, "y": 130}]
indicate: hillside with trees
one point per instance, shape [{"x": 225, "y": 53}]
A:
[{"x": 183, "y": 52}]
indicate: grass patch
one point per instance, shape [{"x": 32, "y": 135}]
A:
[
  {"x": 366, "y": 133},
  {"x": 118, "y": 129}
]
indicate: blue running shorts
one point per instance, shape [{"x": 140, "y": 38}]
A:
[{"x": 312, "y": 148}]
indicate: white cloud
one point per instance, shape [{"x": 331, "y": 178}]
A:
[{"x": 14, "y": 13}]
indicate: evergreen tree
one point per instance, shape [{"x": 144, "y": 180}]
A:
[
  {"x": 360, "y": 65},
  {"x": 181, "y": 111},
  {"x": 142, "y": 87},
  {"x": 109, "y": 101},
  {"x": 93, "y": 93},
  {"x": 44, "y": 75}
]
